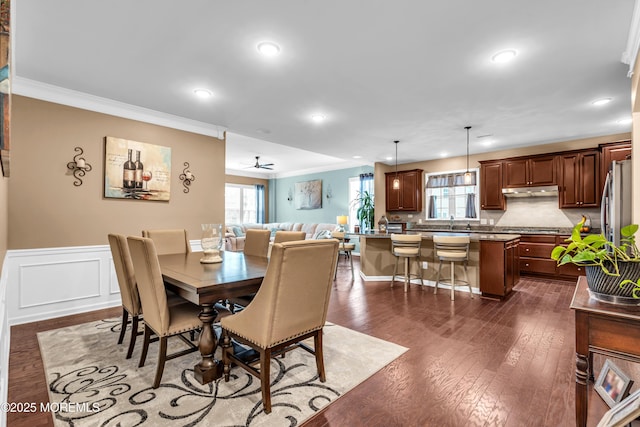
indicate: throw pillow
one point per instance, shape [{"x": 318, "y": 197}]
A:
[
  {"x": 322, "y": 234},
  {"x": 237, "y": 231}
]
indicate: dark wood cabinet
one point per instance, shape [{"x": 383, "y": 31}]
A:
[
  {"x": 535, "y": 257},
  {"x": 610, "y": 152},
  {"x": 491, "y": 197},
  {"x": 499, "y": 267},
  {"x": 409, "y": 196},
  {"x": 580, "y": 179},
  {"x": 530, "y": 171}
]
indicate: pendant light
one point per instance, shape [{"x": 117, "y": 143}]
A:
[
  {"x": 467, "y": 175},
  {"x": 396, "y": 181}
]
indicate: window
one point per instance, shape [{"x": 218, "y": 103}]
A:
[
  {"x": 240, "y": 204},
  {"x": 358, "y": 184},
  {"x": 449, "y": 194}
]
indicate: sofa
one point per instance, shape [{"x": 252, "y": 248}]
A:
[{"x": 235, "y": 233}]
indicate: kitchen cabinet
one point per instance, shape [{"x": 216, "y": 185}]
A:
[
  {"x": 530, "y": 171},
  {"x": 409, "y": 196},
  {"x": 580, "y": 179},
  {"x": 610, "y": 152},
  {"x": 535, "y": 257},
  {"x": 499, "y": 267},
  {"x": 491, "y": 197},
  {"x": 535, "y": 254}
]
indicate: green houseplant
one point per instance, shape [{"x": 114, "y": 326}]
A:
[
  {"x": 612, "y": 271},
  {"x": 365, "y": 209}
]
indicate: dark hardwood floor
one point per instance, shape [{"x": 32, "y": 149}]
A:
[{"x": 471, "y": 362}]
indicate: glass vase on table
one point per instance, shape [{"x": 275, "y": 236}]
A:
[{"x": 211, "y": 243}]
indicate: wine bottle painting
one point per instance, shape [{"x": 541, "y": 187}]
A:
[{"x": 136, "y": 170}]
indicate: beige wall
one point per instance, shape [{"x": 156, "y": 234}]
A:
[
  {"x": 459, "y": 163},
  {"x": 4, "y": 217},
  {"x": 47, "y": 210},
  {"x": 245, "y": 180}
]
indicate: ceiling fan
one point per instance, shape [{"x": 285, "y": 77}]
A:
[{"x": 259, "y": 165}]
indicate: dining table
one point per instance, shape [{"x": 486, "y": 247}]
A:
[{"x": 205, "y": 285}]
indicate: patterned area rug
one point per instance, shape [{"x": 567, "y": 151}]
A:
[{"x": 92, "y": 384}]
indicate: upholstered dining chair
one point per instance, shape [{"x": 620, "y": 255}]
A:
[
  {"x": 452, "y": 249},
  {"x": 256, "y": 242},
  {"x": 407, "y": 247},
  {"x": 159, "y": 317},
  {"x": 290, "y": 306},
  {"x": 169, "y": 241},
  {"x": 343, "y": 248},
  {"x": 128, "y": 288},
  {"x": 288, "y": 236}
]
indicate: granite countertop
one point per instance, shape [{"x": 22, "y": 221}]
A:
[
  {"x": 501, "y": 230},
  {"x": 473, "y": 236}
]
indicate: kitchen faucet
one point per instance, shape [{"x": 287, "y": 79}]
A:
[{"x": 451, "y": 223}]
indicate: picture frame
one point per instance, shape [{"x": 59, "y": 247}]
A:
[
  {"x": 136, "y": 170},
  {"x": 308, "y": 194},
  {"x": 612, "y": 384},
  {"x": 622, "y": 413}
]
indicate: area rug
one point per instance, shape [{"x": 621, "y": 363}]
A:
[{"x": 92, "y": 384}]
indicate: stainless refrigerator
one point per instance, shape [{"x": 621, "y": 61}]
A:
[{"x": 615, "y": 209}]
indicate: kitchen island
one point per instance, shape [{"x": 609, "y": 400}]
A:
[{"x": 492, "y": 266}]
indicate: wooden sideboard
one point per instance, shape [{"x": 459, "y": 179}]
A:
[{"x": 608, "y": 329}]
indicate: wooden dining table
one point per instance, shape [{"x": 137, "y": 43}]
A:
[{"x": 206, "y": 284}]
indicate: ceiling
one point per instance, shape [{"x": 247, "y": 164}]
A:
[{"x": 414, "y": 71}]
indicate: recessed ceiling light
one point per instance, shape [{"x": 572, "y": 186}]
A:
[
  {"x": 443, "y": 154},
  {"x": 626, "y": 121},
  {"x": 504, "y": 55},
  {"x": 357, "y": 157},
  {"x": 602, "y": 101},
  {"x": 389, "y": 158},
  {"x": 203, "y": 93},
  {"x": 268, "y": 48},
  {"x": 318, "y": 118}
]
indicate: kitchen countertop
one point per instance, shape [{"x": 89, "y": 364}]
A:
[
  {"x": 473, "y": 236},
  {"x": 501, "y": 230}
]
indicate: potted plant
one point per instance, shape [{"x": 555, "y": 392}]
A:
[
  {"x": 365, "y": 209},
  {"x": 613, "y": 272}
]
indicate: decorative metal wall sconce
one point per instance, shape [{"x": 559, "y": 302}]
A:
[
  {"x": 290, "y": 196},
  {"x": 79, "y": 167},
  {"x": 187, "y": 177},
  {"x": 329, "y": 192}
]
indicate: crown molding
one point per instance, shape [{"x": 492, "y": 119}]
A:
[
  {"x": 59, "y": 95},
  {"x": 630, "y": 54}
]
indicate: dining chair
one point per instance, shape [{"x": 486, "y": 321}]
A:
[
  {"x": 288, "y": 236},
  {"x": 290, "y": 306},
  {"x": 452, "y": 249},
  {"x": 169, "y": 241},
  {"x": 407, "y": 247},
  {"x": 256, "y": 242},
  {"x": 128, "y": 288},
  {"x": 159, "y": 317},
  {"x": 345, "y": 248}
]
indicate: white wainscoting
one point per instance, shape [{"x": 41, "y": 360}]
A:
[{"x": 52, "y": 282}]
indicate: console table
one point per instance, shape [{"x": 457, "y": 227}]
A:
[{"x": 602, "y": 328}]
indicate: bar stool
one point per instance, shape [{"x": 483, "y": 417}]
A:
[
  {"x": 343, "y": 248},
  {"x": 406, "y": 246},
  {"x": 452, "y": 249}
]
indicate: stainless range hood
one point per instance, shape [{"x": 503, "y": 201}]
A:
[{"x": 542, "y": 191}]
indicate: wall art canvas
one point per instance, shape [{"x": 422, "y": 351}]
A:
[
  {"x": 309, "y": 194},
  {"x": 136, "y": 170}
]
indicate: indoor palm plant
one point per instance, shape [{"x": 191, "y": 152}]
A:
[
  {"x": 611, "y": 270},
  {"x": 365, "y": 209}
]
